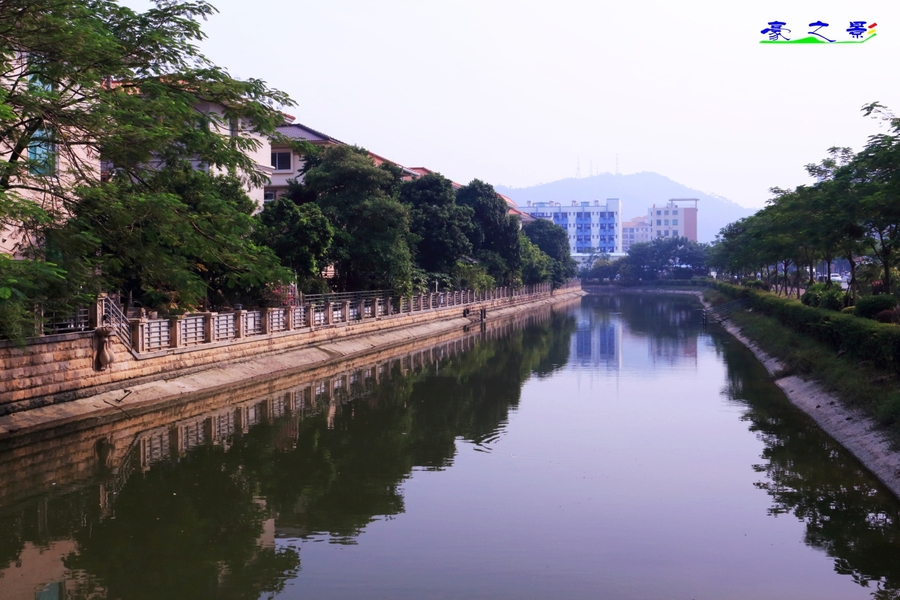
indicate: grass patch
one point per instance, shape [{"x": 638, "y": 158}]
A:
[
  {"x": 715, "y": 297},
  {"x": 858, "y": 384}
]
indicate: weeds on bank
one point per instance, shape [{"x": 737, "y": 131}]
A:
[
  {"x": 715, "y": 298},
  {"x": 857, "y": 384}
]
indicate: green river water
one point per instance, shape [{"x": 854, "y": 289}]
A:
[{"x": 608, "y": 448}]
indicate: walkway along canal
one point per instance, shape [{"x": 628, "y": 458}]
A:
[{"x": 611, "y": 447}]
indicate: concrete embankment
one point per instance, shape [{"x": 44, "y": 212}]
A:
[
  {"x": 255, "y": 370},
  {"x": 853, "y": 429}
]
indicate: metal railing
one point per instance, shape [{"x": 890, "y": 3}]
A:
[
  {"x": 113, "y": 316},
  {"x": 143, "y": 335},
  {"x": 157, "y": 335},
  {"x": 56, "y": 322}
]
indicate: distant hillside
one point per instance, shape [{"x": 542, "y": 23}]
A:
[{"x": 637, "y": 193}]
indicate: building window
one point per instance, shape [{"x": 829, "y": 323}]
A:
[
  {"x": 666, "y": 221},
  {"x": 667, "y": 233},
  {"x": 659, "y": 212},
  {"x": 675, "y": 233},
  {"x": 281, "y": 161},
  {"x": 667, "y": 212},
  {"x": 674, "y": 212},
  {"x": 42, "y": 154},
  {"x": 659, "y": 221},
  {"x": 268, "y": 196},
  {"x": 674, "y": 221}
]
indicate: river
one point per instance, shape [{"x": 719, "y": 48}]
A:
[{"x": 612, "y": 447}]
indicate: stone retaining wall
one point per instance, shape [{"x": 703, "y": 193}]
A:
[{"x": 64, "y": 367}]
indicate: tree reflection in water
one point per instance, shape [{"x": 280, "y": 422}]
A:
[
  {"x": 194, "y": 528},
  {"x": 338, "y": 479},
  {"x": 847, "y": 512}
]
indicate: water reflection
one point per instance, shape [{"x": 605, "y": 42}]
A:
[
  {"x": 846, "y": 511},
  {"x": 193, "y": 506},
  {"x": 636, "y": 331},
  {"x": 214, "y": 497}
]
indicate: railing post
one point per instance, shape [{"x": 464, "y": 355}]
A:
[
  {"x": 239, "y": 332},
  {"x": 264, "y": 316},
  {"x": 289, "y": 318},
  {"x": 209, "y": 328},
  {"x": 95, "y": 312},
  {"x": 329, "y": 313},
  {"x": 345, "y": 310},
  {"x": 310, "y": 314},
  {"x": 175, "y": 333},
  {"x": 137, "y": 334}
]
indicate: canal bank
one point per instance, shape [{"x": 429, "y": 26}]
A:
[
  {"x": 856, "y": 431},
  {"x": 126, "y": 397},
  {"x": 652, "y": 456}
]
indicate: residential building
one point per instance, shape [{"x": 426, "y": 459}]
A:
[
  {"x": 676, "y": 218},
  {"x": 286, "y": 163},
  {"x": 593, "y": 227},
  {"x": 635, "y": 231}
]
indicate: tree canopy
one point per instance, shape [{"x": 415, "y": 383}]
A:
[
  {"x": 495, "y": 237},
  {"x": 851, "y": 212},
  {"x": 441, "y": 227},
  {"x": 115, "y": 154},
  {"x": 127, "y": 157},
  {"x": 371, "y": 244},
  {"x": 554, "y": 242}
]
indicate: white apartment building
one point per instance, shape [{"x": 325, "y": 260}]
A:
[
  {"x": 675, "y": 218},
  {"x": 592, "y": 227}
]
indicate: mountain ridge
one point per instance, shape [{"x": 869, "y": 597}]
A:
[{"x": 637, "y": 191}]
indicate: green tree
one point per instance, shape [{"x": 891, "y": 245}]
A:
[
  {"x": 85, "y": 79},
  {"x": 370, "y": 249},
  {"x": 441, "y": 227},
  {"x": 179, "y": 239},
  {"x": 553, "y": 241},
  {"x": 537, "y": 267},
  {"x": 495, "y": 237},
  {"x": 875, "y": 179},
  {"x": 301, "y": 237}
]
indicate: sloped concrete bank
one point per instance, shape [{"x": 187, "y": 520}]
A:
[
  {"x": 239, "y": 373},
  {"x": 853, "y": 429}
]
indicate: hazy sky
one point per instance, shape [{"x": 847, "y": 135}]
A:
[{"x": 521, "y": 92}]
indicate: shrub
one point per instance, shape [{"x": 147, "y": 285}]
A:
[
  {"x": 849, "y": 310},
  {"x": 864, "y": 339},
  {"x": 869, "y": 306},
  {"x": 813, "y": 294},
  {"x": 888, "y": 316},
  {"x": 832, "y": 299}
]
